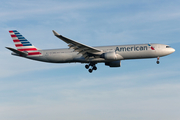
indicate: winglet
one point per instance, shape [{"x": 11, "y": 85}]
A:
[{"x": 55, "y": 33}]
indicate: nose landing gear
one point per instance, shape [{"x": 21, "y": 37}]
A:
[
  {"x": 157, "y": 60},
  {"x": 93, "y": 67}
]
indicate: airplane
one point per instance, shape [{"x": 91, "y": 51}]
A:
[{"x": 78, "y": 52}]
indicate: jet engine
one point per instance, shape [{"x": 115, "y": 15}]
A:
[
  {"x": 113, "y": 63},
  {"x": 109, "y": 56}
]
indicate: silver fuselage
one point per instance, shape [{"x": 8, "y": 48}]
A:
[{"x": 138, "y": 51}]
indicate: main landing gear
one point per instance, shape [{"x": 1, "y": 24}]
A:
[
  {"x": 157, "y": 60},
  {"x": 93, "y": 67}
]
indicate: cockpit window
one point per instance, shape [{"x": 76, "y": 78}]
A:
[{"x": 167, "y": 46}]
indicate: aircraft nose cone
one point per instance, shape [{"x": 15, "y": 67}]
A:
[{"x": 172, "y": 50}]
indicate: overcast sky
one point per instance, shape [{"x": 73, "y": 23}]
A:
[{"x": 138, "y": 90}]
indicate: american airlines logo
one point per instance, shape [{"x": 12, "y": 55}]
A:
[{"x": 134, "y": 48}]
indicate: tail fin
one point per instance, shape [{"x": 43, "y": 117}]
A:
[{"x": 22, "y": 44}]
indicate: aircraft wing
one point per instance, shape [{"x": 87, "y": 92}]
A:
[{"x": 78, "y": 47}]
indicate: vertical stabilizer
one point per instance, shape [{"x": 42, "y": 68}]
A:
[{"x": 22, "y": 44}]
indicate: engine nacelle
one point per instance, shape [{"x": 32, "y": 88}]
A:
[
  {"x": 110, "y": 56},
  {"x": 113, "y": 63}
]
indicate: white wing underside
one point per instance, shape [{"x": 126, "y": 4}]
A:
[{"x": 79, "y": 47}]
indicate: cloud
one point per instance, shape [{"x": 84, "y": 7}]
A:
[
  {"x": 29, "y": 9},
  {"x": 128, "y": 102},
  {"x": 122, "y": 95},
  {"x": 13, "y": 65}
]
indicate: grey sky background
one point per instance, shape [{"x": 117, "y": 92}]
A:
[{"x": 138, "y": 90}]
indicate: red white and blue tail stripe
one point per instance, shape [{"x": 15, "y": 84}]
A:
[{"x": 22, "y": 44}]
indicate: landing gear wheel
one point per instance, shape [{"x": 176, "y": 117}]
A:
[
  {"x": 86, "y": 66},
  {"x": 91, "y": 66},
  {"x": 157, "y": 60},
  {"x": 90, "y": 70},
  {"x": 94, "y": 68}
]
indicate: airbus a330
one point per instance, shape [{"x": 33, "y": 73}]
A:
[{"x": 78, "y": 52}]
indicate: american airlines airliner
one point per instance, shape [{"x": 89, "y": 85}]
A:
[{"x": 78, "y": 52}]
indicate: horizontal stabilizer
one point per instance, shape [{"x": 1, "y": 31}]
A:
[{"x": 17, "y": 52}]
